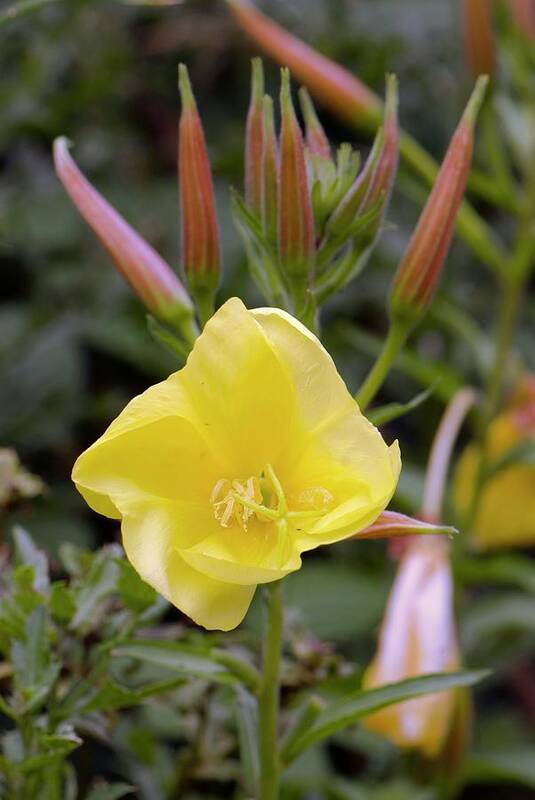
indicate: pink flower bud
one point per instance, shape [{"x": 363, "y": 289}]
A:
[
  {"x": 254, "y": 140},
  {"x": 523, "y": 13},
  {"x": 419, "y": 271},
  {"x": 376, "y": 180},
  {"x": 270, "y": 172},
  {"x": 333, "y": 85},
  {"x": 316, "y": 140},
  {"x": 201, "y": 259},
  {"x": 296, "y": 223},
  {"x": 391, "y": 524},
  {"x": 478, "y": 36},
  {"x": 150, "y": 276}
]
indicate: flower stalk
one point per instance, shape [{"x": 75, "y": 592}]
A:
[{"x": 269, "y": 698}]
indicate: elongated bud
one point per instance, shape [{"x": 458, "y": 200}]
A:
[
  {"x": 385, "y": 170},
  {"x": 332, "y": 85},
  {"x": 391, "y": 524},
  {"x": 478, "y": 36},
  {"x": 201, "y": 258},
  {"x": 296, "y": 224},
  {"x": 376, "y": 180},
  {"x": 523, "y": 13},
  {"x": 419, "y": 271},
  {"x": 417, "y": 638},
  {"x": 150, "y": 276},
  {"x": 270, "y": 172},
  {"x": 316, "y": 140},
  {"x": 254, "y": 140}
]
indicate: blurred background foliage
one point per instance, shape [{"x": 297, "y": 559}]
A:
[{"x": 74, "y": 345}]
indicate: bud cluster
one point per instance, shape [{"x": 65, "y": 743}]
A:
[{"x": 310, "y": 218}]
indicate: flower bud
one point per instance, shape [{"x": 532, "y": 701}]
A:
[
  {"x": 333, "y": 85},
  {"x": 419, "y": 271},
  {"x": 270, "y": 172},
  {"x": 391, "y": 524},
  {"x": 506, "y": 507},
  {"x": 374, "y": 184},
  {"x": 316, "y": 140},
  {"x": 254, "y": 140},
  {"x": 478, "y": 36},
  {"x": 150, "y": 276},
  {"x": 296, "y": 223},
  {"x": 523, "y": 13},
  {"x": 201, "y": 259},
  {"x": 417, "y": 638}
]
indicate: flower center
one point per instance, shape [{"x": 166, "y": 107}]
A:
[{"x": 240, "y": 500}]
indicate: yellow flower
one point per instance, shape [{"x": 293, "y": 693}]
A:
[
  {"x": 226, "y": 472},
  {"x": 506, "y": 512},
  {"x": 417, "y": 638}
]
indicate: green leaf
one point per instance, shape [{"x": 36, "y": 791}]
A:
[
  {"x": 62, "y": 602},
  {"x": 99, "y": 583},
  {"x": 27, "y": 553},
  {"x": 513, "y": 765},
  {"x": 184, "y": 659},
  {"x": 359, "y": 704},
  {"x": 110, "y": 791},
  {"x": 495, "y": 616},
  {"x": 247, "y": 722},
  {"x": 515, "y": 570},
  {"x": 135, "y": 593},
  {"x": 34, "y": 669},
  {"x": 380, "y": 416},
  {"x": 111, "y": 696}
]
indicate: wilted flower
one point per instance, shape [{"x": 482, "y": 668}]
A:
[
  {"x": 225, "y": 473},
  {"x": 523, "y": 13},
  {"x": 506, "y": 507},
  {"x": 417, "y": 637},
  {"x": 419, "y": 272}
]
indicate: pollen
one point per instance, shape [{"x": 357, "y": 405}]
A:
[
  {"x": 225, "y": 499},
  {"x": 315, "y": 498}
]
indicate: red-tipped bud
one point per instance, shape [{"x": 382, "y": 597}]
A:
[
  {"x": 385, "y": 170},
  {"x": 478, "y": 36},
  {"x": 316, "y": 140},
  {"x": 254, "y": 140},
  {"x": 376, "y": 180},
  {"x": 150, "y": 276},
  {"x": 333, "y": 86},
  {"x": 390, "y": 524},
  {"x": 419, "y": 271},
  {"x": 201, "y": 259},
  {"x": 270, "y": 172},
  {"x": 296, "y": 223},
  {"x": 523, "y": 13}
]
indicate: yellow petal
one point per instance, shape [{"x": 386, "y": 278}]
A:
[
  {"x": 241, "y": 394},
  {"x": 258, "y": 555},
  {"x": 148, "y": 537},
  {"x": 341, "y": 450},
  {"x": 153, "y": 448}
]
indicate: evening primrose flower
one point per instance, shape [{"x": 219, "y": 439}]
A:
[
  {"x": 506, "y": 507},
  {"x": 417, "y": 637},
  {"x": 226, "y": 472}
]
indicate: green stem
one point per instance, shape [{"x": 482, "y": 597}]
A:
[
  {"x": 395, "y": 340},
  {"x": 205, "y": 304},
  {"x": 268, "y": 701}
]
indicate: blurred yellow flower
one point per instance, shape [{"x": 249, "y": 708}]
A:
[
  {"x": 506, "y": 511},
  {"x": 417, "y": 638},
  {"x": 252, "y": 454}
]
